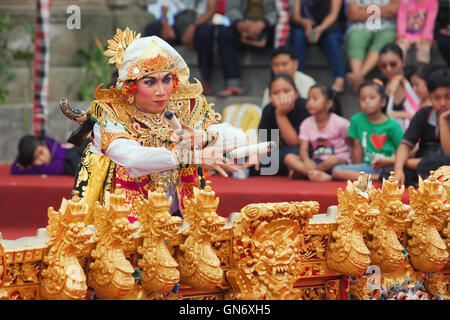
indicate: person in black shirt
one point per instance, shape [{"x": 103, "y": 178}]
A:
[
  {"x": 285, "y": 113},
  {"x": 430, "y": 128}
]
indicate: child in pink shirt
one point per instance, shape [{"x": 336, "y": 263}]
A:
[
  {"x": 326, "y": 132},
  {"x": 415, "y": 25}
]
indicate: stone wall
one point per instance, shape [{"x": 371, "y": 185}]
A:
[{"x": 99, "y": 17}]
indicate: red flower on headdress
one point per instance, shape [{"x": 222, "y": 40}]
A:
[
  {"x": 129, "y": 88},
  {"x": 175, "y": 80}
]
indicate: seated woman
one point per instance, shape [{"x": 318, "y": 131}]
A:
[
  {"x": 403, "y": 102},
  {"x": 133, "y": 145},
  {"x": 45, "y": 156},
  {"x": 281, "y": 121}
]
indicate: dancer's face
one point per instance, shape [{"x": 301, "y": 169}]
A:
[{"x": 153, "y": 92}]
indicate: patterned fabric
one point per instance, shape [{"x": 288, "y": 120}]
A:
[
  {"x": 282, "y": 26},
  {"x": 41, "y": 67},
  {"x": 95, "y": 176}
]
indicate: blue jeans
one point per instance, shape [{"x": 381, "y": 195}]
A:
[
  {"x": 364, "y": 167},
  {"x": 331, "y": 44}
]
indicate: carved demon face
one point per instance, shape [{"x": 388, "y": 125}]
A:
[
  {"x": 77, "y": 235},
  {"x": 122, "y": 229},
  {"x": 276, "y": 249},
  {"x": 165, "y": 225},
  {"x": 396, "y": 211},
  {"x": 210, "y": 223},
  {"x": 365, "y": 215},
  {"x": 407, "y": 291},
  {"x": 437, "y": 211}
]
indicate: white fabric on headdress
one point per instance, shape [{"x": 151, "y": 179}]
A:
[{"x": 149, "y": 47}]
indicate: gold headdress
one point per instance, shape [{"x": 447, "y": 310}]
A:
[{"x": 136, "y": 57}]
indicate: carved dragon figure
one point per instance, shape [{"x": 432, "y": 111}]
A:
[
  {"x": 158, "y": 268},
  {"x": 428, "y": 251},
  {"x": 111, "y": 274},
  {"x": 199, "y": 265},
  {"x": 64, "y": 278},
  {"x": 386, "y": 250},
  {"x": 266, "y": 249},
  {"x": 348, "y": 253},
  {"x": 443, "y": 175}
]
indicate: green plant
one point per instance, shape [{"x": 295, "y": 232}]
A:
[
  {"x": 6, "y": 57},
  {"x": 96, "y": 70}
]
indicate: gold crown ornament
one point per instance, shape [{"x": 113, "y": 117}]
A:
[{"x": 136, "y": 57}]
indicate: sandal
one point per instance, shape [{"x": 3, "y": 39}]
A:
[{"x": 230, "y": 91}]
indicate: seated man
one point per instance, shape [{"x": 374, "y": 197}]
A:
[
  {"x": 252, "y": 23},
  {"x": 429, "y": 126},
  {"x": 284, "y": 60}
]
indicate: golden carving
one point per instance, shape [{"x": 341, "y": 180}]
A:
[
  {"x": 386, "y": 250},
  {"x": 332, "y": 289},
  {"x": 266, "y": 253},
  {"x": 111, "y": 274},
  {"x": 64, "y": 279},
  {"x": 438, "y": 286},
  {"x": 3, "y": 293},
  {"x": 158, "y": 268},
  {"x": 427, "y": 250},
  {"x": 199, "y": 265},
  {"x": 348, "y": 253}
]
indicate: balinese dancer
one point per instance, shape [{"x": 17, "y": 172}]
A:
[{"x": 132, "y": 143}]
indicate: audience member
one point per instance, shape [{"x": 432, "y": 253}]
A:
[
  {"x": 192, "y": 27},
  {"x": 252, "y": 24},
  {"x": 415, "y": 26},
  {"x": 315, "y": 22},
  {"x": 285, "y": 113},
  {"x": 430, "y": 128},
  {"x": 45, "y": 156},
  {"x": 284, "y": 60},
  {"x": 374, "y": 137},
  {"x": 442, "y": 29},
  {"x": 418, "y": 79},
  {"x": 366, "y": 35},
  {"x": 326, "y": 132},
  {"x": 403, "y": 102}
]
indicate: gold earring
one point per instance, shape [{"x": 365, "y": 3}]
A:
[{"x": 130, "y": 99}]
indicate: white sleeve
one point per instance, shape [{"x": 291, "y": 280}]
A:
[
  {"x": 228, "y": 135},
  {"x": 138, "y": 160}
]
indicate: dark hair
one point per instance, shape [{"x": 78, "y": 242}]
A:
[
  {"x": 329, "y": 95},
  {"x": 284, "y": 50},
  {"x": 27, "y": 146},
  {"x": 374, "y": 83},
  {"x": 284, "y": 76},
  {"x": 394, "y": 48},
  {"x": 422, "y": 70},
  {"x": 438, "y": 78}
]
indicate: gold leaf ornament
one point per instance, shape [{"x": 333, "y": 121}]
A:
[{"x": 118, "y": 44}]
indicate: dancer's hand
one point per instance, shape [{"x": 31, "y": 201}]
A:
[
  {"x": 188, "y": 139},
  {"x": 211, "y": 158}
]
